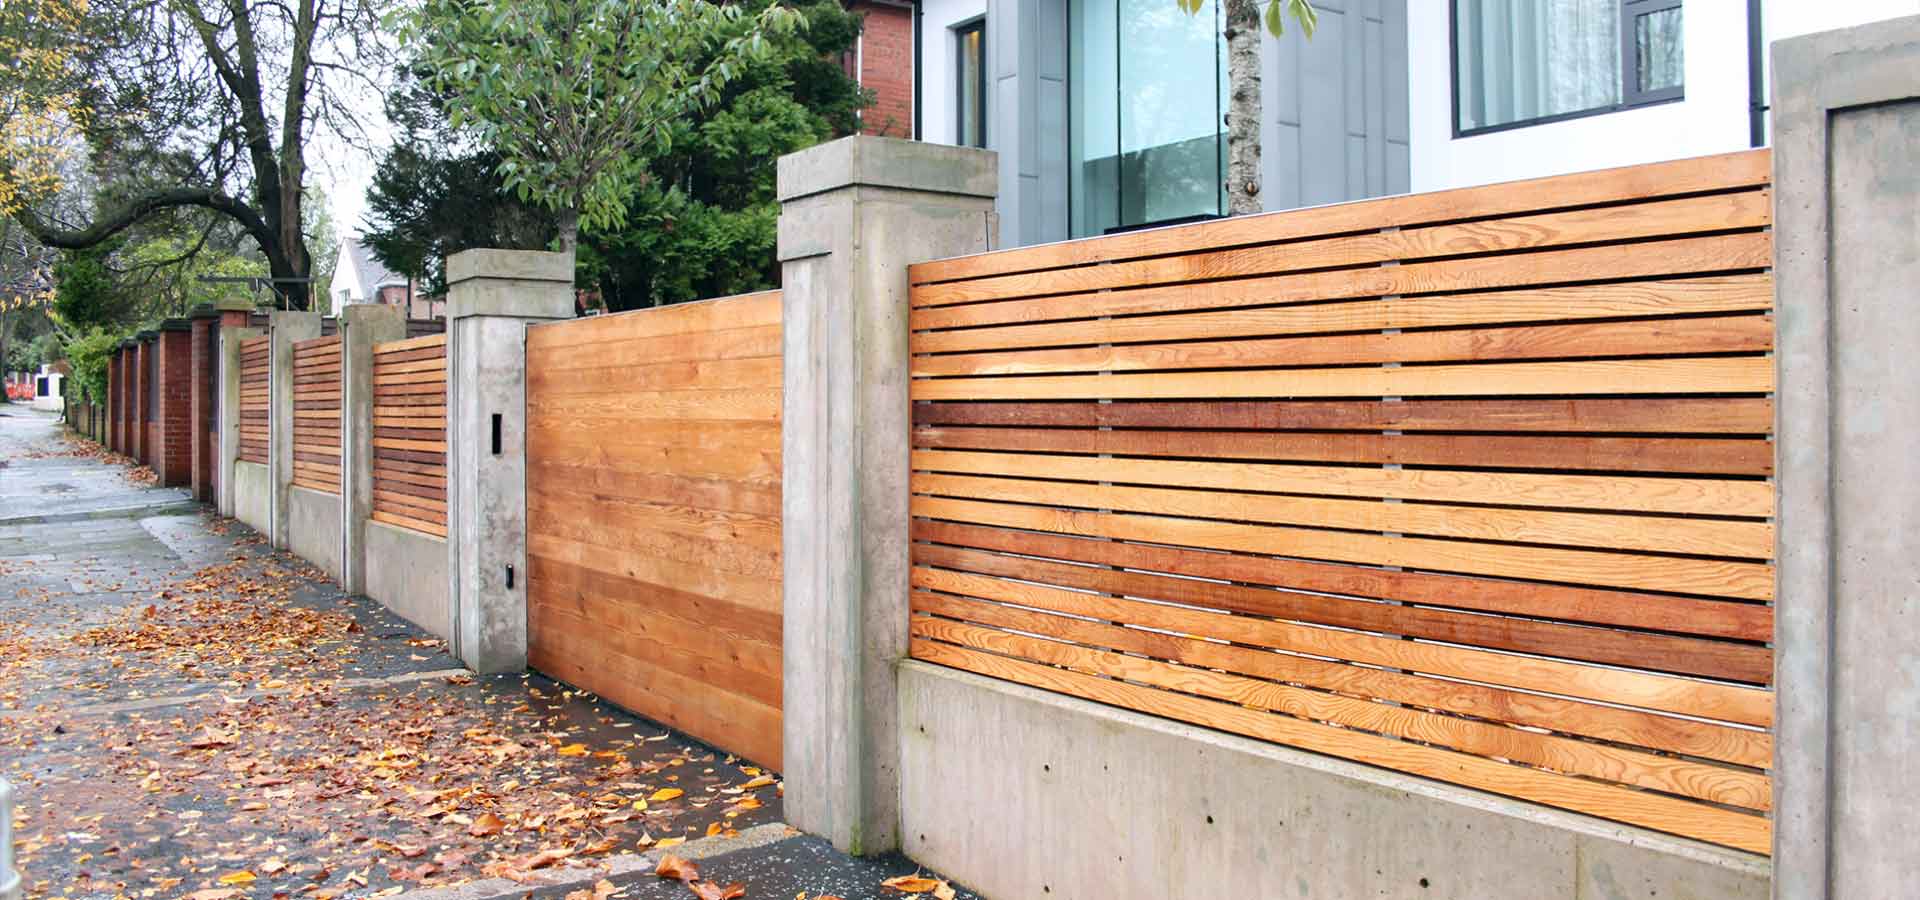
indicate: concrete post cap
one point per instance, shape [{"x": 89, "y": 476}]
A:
[
  {"x": 512, "y": 265},
  {"x": 865, "y": 160}
]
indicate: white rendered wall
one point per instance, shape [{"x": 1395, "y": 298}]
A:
[
  {"x": 1714, "y": 117},
  {"x": 938, "y": 47}
]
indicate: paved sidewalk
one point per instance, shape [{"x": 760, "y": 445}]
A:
[{"x": 187, "y": 713}]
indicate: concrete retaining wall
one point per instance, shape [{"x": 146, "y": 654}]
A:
[
  {"x": 407, "y": 573},
  {"x": 252, "y": 495},
  {"x": 1022, "y": 793},
  {"x": 313, "y": 528}
]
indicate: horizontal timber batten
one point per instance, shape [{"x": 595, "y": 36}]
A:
[
  {"x": 317, "y": 402},
  {"x": 1471, "y": 485}
]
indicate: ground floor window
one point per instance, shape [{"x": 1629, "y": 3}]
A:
[
  {"x": 1523, "y": 62},
  {"x": 1146, "y": 137}
]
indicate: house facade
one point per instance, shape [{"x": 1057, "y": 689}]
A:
[
  {"x": 359, "y": 277},
  {"x": 1108, "y": 115}
]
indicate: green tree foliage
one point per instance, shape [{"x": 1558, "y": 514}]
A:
[
  {"x": 88, "y": 355},
  {"x": 700, "y": 223},
  {"x": 86, "y": 294},
  {"x": 578, "y": 96}
]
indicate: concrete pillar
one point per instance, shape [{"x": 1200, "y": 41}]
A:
[
  {"x": 1846, "y": 108},
  {"x": 284, "y": 328},
  {"x": 854, "y": 213},
  {"x": 362, "y": 325},
  {"x": 228, "y": 449},
  {"x": 491, "y": 296}
]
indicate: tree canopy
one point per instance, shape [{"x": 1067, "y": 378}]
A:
[
  {"x": 699, "y": 221},
  {"x": 578, "y": 96}
]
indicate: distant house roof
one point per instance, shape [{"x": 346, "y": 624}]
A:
[{"x": 360, "y": 274}]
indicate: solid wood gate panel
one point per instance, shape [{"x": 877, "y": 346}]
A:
[
  {"x": 1471, "y": 485},
  {"x": 410, "y": 434},
  {"x": 256, "y": 399},
  {"x": 316, "y": 414},
  {"x": 653, "y": 514}
]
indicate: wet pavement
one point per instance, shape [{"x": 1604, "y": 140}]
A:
[{"x": 186, "y": 712}]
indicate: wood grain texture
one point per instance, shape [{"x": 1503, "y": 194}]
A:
[
  {"x": 317, "y": 402},
  {"x": 653, "y": 513},
  {"x": 409, "y": 440},
  {"x": 1473, "y": 485}
]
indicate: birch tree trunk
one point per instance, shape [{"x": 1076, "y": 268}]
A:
[{"x": 1243, "y": 106}]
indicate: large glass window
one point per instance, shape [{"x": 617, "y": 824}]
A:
[
  {"x": 1146, "y": 141},
  {"x": 1519, "y": 62},
  {"x": 971, "y": 76}
]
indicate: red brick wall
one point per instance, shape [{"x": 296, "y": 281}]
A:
[
  {"x": 173, "y": 421},
  {"x": 116, "y": 382},
  {"x": 886, "y": 68}
]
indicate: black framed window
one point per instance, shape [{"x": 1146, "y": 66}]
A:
[
  {"x": 970, "y": 74},
  {"x": 1526, "y": 62}
]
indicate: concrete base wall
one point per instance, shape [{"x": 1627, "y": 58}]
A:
[
  {"x": 313, "y": 528},
  {"x": 1021, "y": 793},
  {"x": 407, "y": 573},
  {"x": 252, "y": 495}
]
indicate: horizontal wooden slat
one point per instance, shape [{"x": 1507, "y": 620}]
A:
[
  {"x": 418, "y": 343},
  {"x": 410, "y": 523},
  {"x": 1665, "y": 337},
  {"x": 1144, "y": 319},
  {"x": 1653, "y": 534},
  {"x": 1744, "y": 210},
  {"x": 1697, "y": 496},
  {"x": 1681, "y": 455},
  {"x": 1619, "y": 376},
  {"x": 1744, "y": 169}
]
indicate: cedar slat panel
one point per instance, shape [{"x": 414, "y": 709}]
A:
[
  {"x": 318, "y": 403},
  {"x": 1383, "y": 481},
  {"x": 409, "y": 474},
  {"x": 255, "y": 400},
  {"x": 653, "y": 512}
]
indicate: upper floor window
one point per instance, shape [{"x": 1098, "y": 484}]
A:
[
  {"x": 971, "y": 76},
  {"x": 1523, "y": 62}
]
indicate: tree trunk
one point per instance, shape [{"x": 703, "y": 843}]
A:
[
  {"x": 569, "y": 222},
  {"x": 1243, "y": 106}
]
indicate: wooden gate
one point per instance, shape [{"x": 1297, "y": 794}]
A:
[{"x": 653, "y": 514}]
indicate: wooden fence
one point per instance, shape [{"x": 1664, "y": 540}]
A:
[
  {"x": 256, "y": 399},
  {"x": 316, "y": 414},
  {"x": 410, "y": 434},
  {"x": 1471, "y": 485},
  {"x": 653, "y": 514}
]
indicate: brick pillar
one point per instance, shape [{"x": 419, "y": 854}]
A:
[
  {"x": 172, "y": 420},
  {"x": 112, "y": 436}
]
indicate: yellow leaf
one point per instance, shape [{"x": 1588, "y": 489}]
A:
[
  {"x": 664, "y": 843},
  {"x": 762, "y": 781},
  {"x": 664, "y": 794},
  {"x": 573, "y": 750},
  {"x": 713, "y": 828},
  {"x": 639, "y": 806},
  {"x": 240, "y": 877}
]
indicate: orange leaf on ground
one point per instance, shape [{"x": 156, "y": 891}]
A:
[
  {"x": 675, "y": 867},
  {"x": 664, "y": 794},
  {"x": 241, "y": 877},
  {"x": 913, "y": 884},
  {"x": 486, "y": 826},
  {"x": 573, "y": 750},
  {"x": 707, "y": 890}
]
